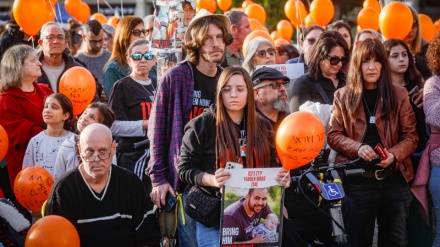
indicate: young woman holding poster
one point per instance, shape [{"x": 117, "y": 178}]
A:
[{"x": 219, "y": 135}]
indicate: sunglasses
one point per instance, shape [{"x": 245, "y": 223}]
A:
[
  {"x": 263, "y": 53},
  {"x": 311, "y": 41},
  {"x": 274, "y": 85},
  {"x": 336, "y": 60},
  {"x": 138, "y": 56},
  {"x": 138, "y": 32}
]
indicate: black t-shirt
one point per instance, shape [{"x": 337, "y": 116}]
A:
[
  {"x": 131, "y": 101},
  {"x": 370, "y": 100},
  {"x": 204, "y": 91}
]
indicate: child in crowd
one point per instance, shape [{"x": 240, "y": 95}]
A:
[
  {"x": 43, "y": 148},
  {"x": 67, "y": 158},
  {"x": 268, "y": 228}
]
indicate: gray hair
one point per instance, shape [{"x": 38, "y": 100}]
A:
[
  {"x": 251, "y": 48},
  {"x": 235, "y": 16},
  {"x": 11, "y": 71}
]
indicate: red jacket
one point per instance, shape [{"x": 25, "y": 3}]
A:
[{"x": 22, "y": 120}]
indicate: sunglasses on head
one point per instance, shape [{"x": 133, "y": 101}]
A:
[
  {"x": 137, "y": 32},
  {"x": 138, "y": 56},
  {"x": 263, "y": 53},
  {"x": 335, "y": 60}
]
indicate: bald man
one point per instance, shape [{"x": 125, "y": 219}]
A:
[{"x": 107, "y": 204}]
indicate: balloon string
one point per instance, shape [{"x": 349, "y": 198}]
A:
[
  {"x": 282, "y": 180},
  {"x": 97, "y": 4}
]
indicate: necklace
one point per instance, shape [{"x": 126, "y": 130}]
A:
[
  {"x": 30, "y": 93},
  {"x": 372, "y": 116},
  {"x": 144, "y": 86}
]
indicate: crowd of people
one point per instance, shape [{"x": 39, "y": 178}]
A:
[{"x": 146, "y": 138}]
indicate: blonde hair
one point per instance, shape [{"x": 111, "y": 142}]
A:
[{"x": 11, "y": 71}]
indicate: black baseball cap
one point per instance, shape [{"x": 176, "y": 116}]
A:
[{"x": 267, "y": 73}]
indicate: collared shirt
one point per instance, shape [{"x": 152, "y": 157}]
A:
[{"x": 232, "y": 58}]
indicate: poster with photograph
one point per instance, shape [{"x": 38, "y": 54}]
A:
[
  {"x": 171, "y": 21},
  {"x": 252, "y": 208}
]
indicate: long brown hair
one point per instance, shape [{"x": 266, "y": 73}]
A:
[
  {"x": 198, "y": 34},
  {"x": 412, "y": 76},
  {"x": 369, "y": 49},
  {"x": 122, "y": 39},
  {"x": 227, "y": 146}
]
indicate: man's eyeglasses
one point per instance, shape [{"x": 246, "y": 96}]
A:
[
  {"x": 263, "y": 53},
  {"x": 274, "y": 85},
  {"x": 335, "y": 60},
  {"x": 58, "y": 37},
  {"x": 138, "y": 56},
  {"x": 137, "y": 32},
  {"x": 95, "y": 42},
  {"x": 91, "y": 158},
  {"x": 311, "y": 41}
]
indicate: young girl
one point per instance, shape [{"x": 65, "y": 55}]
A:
[
  {"x": 43, "y": 148},
  {"x": 67, "y": 157},
  {"x": 231, "y": 131}
]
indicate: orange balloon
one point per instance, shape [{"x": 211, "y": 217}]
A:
[
  {"x": 30, "y": 15},
  {"x": 275, "y": 35},
  {"x": 99, "y": 17},
  {"x": 373, "y": 4},
  {"x": 427, "y": 27},
  {"x": 310, "y": 20},
  {"x": 224, "y": 5},
  {"x": 322, "y": 11},
  {"x": 281, "y": 41},
  {"x": 246, "y": 3},
  {"x": 368, "y": 18},
  {"x": 32, "y": 187},
  {"x": 254, "y": 34},
  {"x": 437, "y": 25},
  {"x": 52, "y": 230},
  {"x": 209, "y": 5},
  {"x": 4, "y": 143},
  {"x": 78, "y": 9},
  {"x": 299, "y": 139},
  {"x": 256, "y": 11},
  {"x": 78, "y": 84},
  {"x": 113, "y": 21},
  {"x": 296, "y": 12},
  {"x": 255, "y": 24},
  {"x": 395, "y": 20},
  {"x": 285, "y": 29}
]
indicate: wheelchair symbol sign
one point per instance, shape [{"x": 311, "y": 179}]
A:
[{"x": 332, "y": 191}]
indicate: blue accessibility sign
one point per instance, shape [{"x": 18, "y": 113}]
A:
[{"x": 333, "y": 191}]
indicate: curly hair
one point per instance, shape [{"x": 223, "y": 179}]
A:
[{"x": 433, "y": 55}]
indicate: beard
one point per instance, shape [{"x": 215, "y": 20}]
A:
[
  {"x": 281, "y": 104},
  {"x": 217, "y": 60}
]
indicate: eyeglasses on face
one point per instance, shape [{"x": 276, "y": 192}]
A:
[
  {"x": 91, "y": 157},
  {"x": 335, "y": 60},
  {"x": 95, "y": 42},
  {"x": 148, "y": 31},
  {"x": 137, "y": 32},
  {"x": 138, "y": 56},
  {"x": 53, "y": 37},
  {"x": 311, "y": 41},
  {"x": 229, "y": 90},
  {"x": 274, "y": 85},
  {"x": 263, "y": 53}
]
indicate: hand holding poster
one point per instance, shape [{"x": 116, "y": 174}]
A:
[{"x": 252, "y": 204}]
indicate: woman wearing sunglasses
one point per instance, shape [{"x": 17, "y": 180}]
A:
[
  {"x": 259, "y": 52},
  {"x": 129, "y": 29},
  {"x": 325, "y": 74},
  {"x": 131, "y": 99},
  {"x": 232, "y": 131},
  {"x": 367, "y": 112}
]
